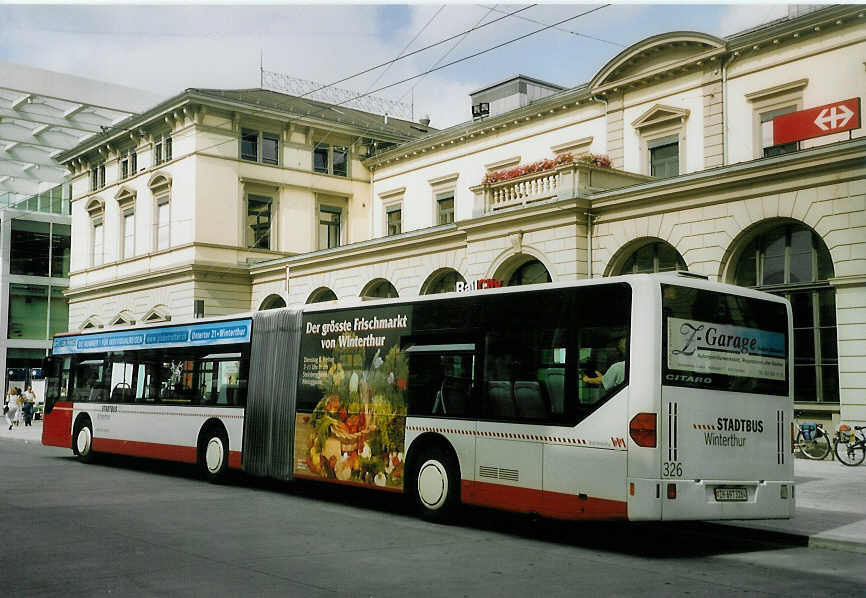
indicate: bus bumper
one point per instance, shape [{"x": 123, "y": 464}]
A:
[{"x": 669, "y": 499}]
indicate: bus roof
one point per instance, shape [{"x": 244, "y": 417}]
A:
[{"x": 682, "y": 278}]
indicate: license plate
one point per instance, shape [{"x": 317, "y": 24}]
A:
[{"x": 731, "y": 494}]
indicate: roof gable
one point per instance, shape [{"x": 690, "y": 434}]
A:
[{"x": 658, "y": 53}]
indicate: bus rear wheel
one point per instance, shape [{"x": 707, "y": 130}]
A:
[
  {"x": 436, "y": 485},
  {"x": 214, "y": 456},
  {"x": 82, "y": 441}
]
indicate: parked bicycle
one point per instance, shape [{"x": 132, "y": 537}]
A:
[
  {"x": 813, "y": 441},
  {"x": 851, "y": 445}
]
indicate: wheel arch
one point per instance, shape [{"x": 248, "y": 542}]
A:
[
  {"x": 210, "y": 425},
  {"x": 420, "y": 445}
]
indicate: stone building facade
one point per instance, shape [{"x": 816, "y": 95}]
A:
[{"x": 670, "y": 162}]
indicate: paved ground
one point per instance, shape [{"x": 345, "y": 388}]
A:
[
  {"x": 831, "y": 502},
  {"x": 140, "y": 528}
]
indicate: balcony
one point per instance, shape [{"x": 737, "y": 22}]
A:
[{"x": 567, "y": 181}]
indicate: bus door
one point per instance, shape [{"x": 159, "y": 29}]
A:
[{"x": 726, "y": 410}]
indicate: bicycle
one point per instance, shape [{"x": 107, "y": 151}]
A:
[
  {"x": 813, "y": 441},
  {"x": 851, "y": 445}
]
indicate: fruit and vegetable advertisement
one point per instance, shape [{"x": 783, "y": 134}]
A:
[{"x": 351, "y": 417}]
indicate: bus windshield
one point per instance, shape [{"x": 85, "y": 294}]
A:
[{"x": 724, "y": 342}]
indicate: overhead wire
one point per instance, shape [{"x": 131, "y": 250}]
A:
[
  {"x": 537, "y": 22},
  {"x": 451, "y": 49},
  {"x": 453, "y": 62},
  {"x": 412, "y": 53}
]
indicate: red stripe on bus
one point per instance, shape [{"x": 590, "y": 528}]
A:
[
  {"x": 235, "y": 459},
  {"x": 57, "y": 426},
  {"x": 550, "y": 504},
  {"x": 153, "y": 450}
]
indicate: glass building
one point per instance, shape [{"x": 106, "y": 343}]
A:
[{"x": 35, "y": 235}]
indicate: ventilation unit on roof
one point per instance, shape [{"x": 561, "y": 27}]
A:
[{"x": 513, "y": 93}]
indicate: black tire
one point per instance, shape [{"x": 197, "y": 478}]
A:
[
  {"x": 213, "y": 455},
  {"x": 82, "y": 441},
  {"x": 436, "y": 485},
  {"x": 850, "y": 453},
  {"x": 817, "y": 449}
]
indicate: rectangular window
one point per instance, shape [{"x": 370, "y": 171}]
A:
[
  {"x": 329, "y": 227},
  {"x": 128, "y": 234},
  {"x": 703, "y": 329},
  {"x": 443, "y": 378},
  {"x": 97, "y": 177},
  {"x": 767, "y": 146},
  {"x": 340, "y": 159},
  {"x": 28, "y": 311},
  {"x": 249, "y": 145},
  {"x": 29, "y": 249},
  {"x": 98, "y": 244},
  {"x": 445, "y": 207},
  {"x": 258, "y": 222},
  {"x": 259, "y": 146},
  {"x": 162, "y": 149},
  {"x": 395, "y": 225},
  {"x": 163, "y": 213},
  {"x": 128, "y": 164},
  {"x": 177, "y": 376},
  {"x": 61, "y": 247},
  {"x": 664, "y": 157},
  {"x": 321, "y": 153},
  {"x": 329, "y": 159},
  {"x": 270, "y": 148}
]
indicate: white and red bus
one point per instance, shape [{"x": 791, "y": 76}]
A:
[{"x": 645, "y": 397}]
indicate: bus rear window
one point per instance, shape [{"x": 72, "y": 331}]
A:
[{"x": 724, "y": 342}]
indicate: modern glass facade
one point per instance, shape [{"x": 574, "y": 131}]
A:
[{"x": 36, "y": 232}]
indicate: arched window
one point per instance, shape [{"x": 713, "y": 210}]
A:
[
  {"x": 322, "y": 294},
  {"x": 792, "y": 261},
  {"x": 379, "y": 289},
  {"x": 272, "y": 302},
  {"x": 442, "y": 281},
  {"x": 657, "y": 256},
  {"x": 530, "y": 272}
]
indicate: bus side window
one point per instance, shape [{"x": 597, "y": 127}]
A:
[{"x": 441, "y": 380}]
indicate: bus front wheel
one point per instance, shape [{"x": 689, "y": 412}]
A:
[
  {"x": 214, "y": 455},
  {"x": 82, "y": 441},
  {"x": 437, "y": 485}
]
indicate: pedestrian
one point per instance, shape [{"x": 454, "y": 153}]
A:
[
  {"x": 28, "y": 402},
  {"x": 13, "y": 405}
]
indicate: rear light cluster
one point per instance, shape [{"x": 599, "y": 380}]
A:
[{"x": 642, "y": 429}]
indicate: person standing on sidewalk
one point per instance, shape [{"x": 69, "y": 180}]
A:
[
  {"x": 28, "y": 402},
  {"x": 14, "y": 404}
]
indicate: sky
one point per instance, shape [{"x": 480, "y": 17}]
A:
[{"x": 168, "y": 48}]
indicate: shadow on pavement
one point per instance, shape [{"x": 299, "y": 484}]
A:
[{"x": 678, "y": 539}]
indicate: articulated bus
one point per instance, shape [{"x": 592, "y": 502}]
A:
[{"x": 642, "y": 397}]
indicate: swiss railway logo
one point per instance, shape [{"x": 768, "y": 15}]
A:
[{"x": 815, "y": 122}]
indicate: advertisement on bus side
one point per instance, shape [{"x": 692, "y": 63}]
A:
[{"x": 351, "y": 419}]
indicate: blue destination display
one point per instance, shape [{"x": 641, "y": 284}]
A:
[{"x": 216, "y": 333}]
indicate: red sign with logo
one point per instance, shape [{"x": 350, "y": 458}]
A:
[{"x": 815, "y": 122}]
